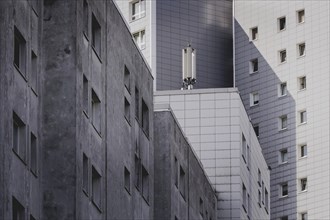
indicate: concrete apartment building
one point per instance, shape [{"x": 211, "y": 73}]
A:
[
  {"x": 183, "y": 189},
  {"x": 218, "y": 128},
  {"x": 282, "y": 72},
  {"x": 170, "y": 25},
  {"x": 76, "y": 131}
]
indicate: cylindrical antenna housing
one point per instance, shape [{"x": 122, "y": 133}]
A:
[{"x": 188, "y": 66}]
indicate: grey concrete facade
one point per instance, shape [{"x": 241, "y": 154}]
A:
[
  {"x": 218, "y": 128},
  {"x": 182, "y": 189},
  {"x": 305, "y": 76},
  {"x": 75, "y": 89}
]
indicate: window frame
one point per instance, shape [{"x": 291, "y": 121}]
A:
[
  {"x": 303, "y": 151},
  {"x": 302, "y": 83},
  {"x": 279, "y": 29},
  {"x": 298, "y": 16},
  {"x": 280, "y": 56},
  {"x": 140, "y": 39},
  {"x": 283, "y": 156},
  {"x": 20, "y": 52},
  {"x": 283, "y": 126},
  {"x": 302, "y": 114},
  {"x": 252, "y": 64},
  {"x": 254, "y": 99},
  {"x": 299, "y": 46},
  {"x": 282, "y": 185},
  {"x": 141, "y": 12},
  {"x": 303, "y": 184},
  {"x": 280, "y": 89},
  {"x": 254, "y": 36}
]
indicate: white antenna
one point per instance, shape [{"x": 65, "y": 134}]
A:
[{"x": 188, "y": 67}]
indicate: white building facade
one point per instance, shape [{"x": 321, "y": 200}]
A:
[
  {"x": 282, "y": 72},
  {"x": 219, "y": 130}
]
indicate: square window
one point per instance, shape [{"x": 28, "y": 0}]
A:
[
  {"x": 96, "y": 187},
  {"x": 85, "y": 173},
  {"x": 140, "y": 39},
  {"x": 254, "y": 33},
  {"x": 138, "y": 9},
  {"x": 182, "y": 184},
  {"x": 301, "y": 49},
  {"x": 282, "y": 56},
  {"x": 256, "y": 130},
  {"x": 283, "y": 157},
  {"x": 284, "y": 190},
  {"x": 96, "y": 111},
  {"x": 303, "y": 216},
  {"x": 301, "y": 16},
  {"x": 127, "y": 110},
  {"x": 253, "y": 66},
  {"x": 34, "y": 71},
  {"x": 281, "y": 22},
  {"x": 96, "y": 35},
  {"x": 303, "y": 150},
  {"x": 18, "y": 210},
  {"x": 127, "y": 79},
  {"x": 145, "y": 118},
  {"x": 254, "y": 98},
  {"x": 33, "y": 153},
  {"x": 85, "y": 94},
  {"x": 303, "y": 117},
  {"x": 283, "y": 122},
  {"x": 302, "y": 82},
  {"x": 282, "y": 89},
  {"x": 303, "y": 184},
  {"x": 145, "y": 183},
  {"x": 19, "y": 51},
  {"x": 127, "y": 180},
  {"x": 19, "y": 137}
]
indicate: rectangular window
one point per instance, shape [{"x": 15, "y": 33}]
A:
[
  {"x": 19, "y": 137},
  {"x": 303, "y": 150},
  {"x": 301, "y": 49},
  {"x": 176, "y": 168},
  {"x": 259, "y": 198},
  {"x": 283, "y": 157},
  {"x": 301, "y": 16},
  {"x": 285, "y": 217},
  {"x": 303, "y": 216},
  {"x": 248, "y": 156},
  {"x": 127, "y": 79},
  {"x": 281, "y": 23},
  {"x": 138, "y": 9},
  {"x": 283, "y": 120},
  {"x": 201, "y": 207},
  {"x": 137, "y": 102},
  {"x": 244, "y": 197},
  {"x": 182, "y": 184},
  {"x": 96, "y": 35},
  {"x": 303, "y": 184},
  {"x": 34, "y": 71},
  {"x": 127, "y": 110},
  {"x": 263, "y": 192},
  {"x": 254, "y": 98},
  {"x": 18, "y": 210},
  {"x": 243, "y": 147},
  {"x": 254, "y": 66},
  {"x": 34, "y": 153},
  {"x": 145, "y": 183},
  {"x": 85, "y": 173},
  {"x": 284, "y": 189},
  {"x": 96, "y": 111},
  {"x": 140, "y": 39},
  {"x": 96, "y": 187},
  {"x": 19, "y": 51},
  {"x": 256, "y": 130},
  {"x": 85, "y": 18},
  {"x": 85, "y": 94},
  {"x": 302, "y": 83},
  {"x": 266, "y": 200},
  {"x": 137, "y": 172},
  {"x": 127, "y": 180},
  {"x": 282, "y": 56},
  {"x": 303, "y": 117},
  {"x": 259, "y": 177},
  {"x": 282, "y": 89},
  {"x": 254, "y": 33},
  {"x": 145, "y": 118}
]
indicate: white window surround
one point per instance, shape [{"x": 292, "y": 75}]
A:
[
  {"x": 283, "y": 122},
  {"x": 281, "y": 24},
  {"x": 282, "y": 89},
  {"x": 302, "y": 83},
  {"x": 284, "y": 190},
  {"x": 302, "y": 117},
  {"x": 137, "y": 9},
  {"x": 283, "y": 156},
  {"x": 303, "y": 183},
  {"x": 302, "y": 149},
  {"x": 282, "y": 56},
  {"x": 301, "y": 49},
  {"x": 140, "y": 39},
  {"x": 253, "y": 66},
  {"x": 254, "y": 33},
  {"x": 301, "y": 16},
  {"x": 254, "y": 99}
]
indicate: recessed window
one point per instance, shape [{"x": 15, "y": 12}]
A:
[
  {"x": 283, "y": 157},
  {"x": 303, "y": 150},
  {"x": 19, "y": 137},
  {"x": 244, "y": 147},
  {"x": 284, "y": 217},
  {"x": 259, "y": 198},
  {"x": 201, "y": 207},
  {"x": 248, "y": 156},
  {"x": 138, "y": 9},
  {"x": 259, "y": 177},
  {"x": 254, "y": 33},
  {"x": 18, "y": 210},
  {"x": 33, "y": 153},
  {"x": 140, "y": 39},
  {"x": 254, "y": 98},
  {"x": 85, "y": 94},
  {"x": 182, "y": 184},
  {"x": 34, "y": 71},
  {"x": 176, "y": 169},
  {"x": 245, "y": 202},
  {"x": 284, "y": 189},
  {"x": 282, "y": 56},
  {"x": 301, "y": 49},
  {"x": 266, "y": 199},
  {"x": 96, "y": 111},
  {"x": 127, "y": 179},
  {"x": 19, "y": 51},
  {"x": 85, "y": 17},
  {"x": 145, "y": 118},
  {"x": 137, "y": 102},
  {"x": 303, "y": 184},
  {"x": 96, "y": 187},
  {"x": 85, "y": 173},
  {"x": 127, "y": 110},
  {"x": 263, "y": 192},
  {"x": 256, "y": 130},
  {"x": 283, "y": 122},
  {"x": 303, "y": 117},
  {"x": 303, "y": 216},
  {"x": 137, "y": 178},
  {"x": 96, "y": 35},
  {"x": 302, "y": 82},
  {"x": 253, "y": 66},
  {"x": 145, "y": 183},
  {"x": 301, "y": 16},
  {"x": 281, "y": 23},
  {"x": 127, "y": 79},
  {"x": 282, "y": 89}
]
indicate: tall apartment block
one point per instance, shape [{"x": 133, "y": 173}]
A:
[
  {"x": 218, "y": 128},
  {"x": 282, "y": 72},
  {"x": 163, "y": 28}
]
